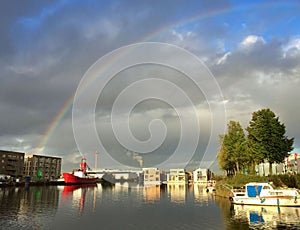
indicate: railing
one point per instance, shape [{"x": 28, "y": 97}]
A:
[{"x": 227, "y": 186}]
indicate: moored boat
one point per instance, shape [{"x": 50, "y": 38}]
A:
[
  {"x": 265, "y": 194},
  {"x": 211, "y": 186},
  {"x": 80, "y": 176}
]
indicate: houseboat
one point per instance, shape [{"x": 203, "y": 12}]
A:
[
  {"x": 177, "y": 176},
  {"x": 152, "y": 176}
]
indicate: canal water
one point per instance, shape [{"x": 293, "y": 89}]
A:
[{"x": 133, "y": 207}]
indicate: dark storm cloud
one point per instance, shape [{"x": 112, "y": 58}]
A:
[{"x": 47, "y": 46}]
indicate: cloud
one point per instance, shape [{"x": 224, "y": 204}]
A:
[
  {"x": 251, "y": 40},
  {"x": 264, "y": 75},
  {"x": 46, "y": 47}
]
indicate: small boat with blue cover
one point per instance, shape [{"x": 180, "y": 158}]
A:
[{"x": 265, "y": 194}]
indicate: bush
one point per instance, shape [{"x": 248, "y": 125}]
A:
[
  {"x": 276, "y": 181},
  {"x": 242, "y": 179},
  {"x": 291, "y": 181}
]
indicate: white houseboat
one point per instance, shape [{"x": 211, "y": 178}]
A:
[
  {"x": 152, "y": 176},
  {"x": 200, "y": 176},
  {"x": 177, "y": 176}
]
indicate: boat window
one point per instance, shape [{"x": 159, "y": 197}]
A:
[
  {"x": 240, "y": 194},
  {"x": 266, "y": 187},
  {"x": 272, "y": 185}
]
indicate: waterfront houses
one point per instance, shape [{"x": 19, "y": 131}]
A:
[
  {"x": 177, "y": 176},
  {"x": 200, "y": 176},
  {"x": 18, "y": 165},
  {"x": 151, "y": 176},
  {"x": 290, "y": 165},
  {"x": 42, "y": 168}
]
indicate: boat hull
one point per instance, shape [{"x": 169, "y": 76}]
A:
[
  {"x": 72, "y": 179},
  {"x": 267, "y": 201}
]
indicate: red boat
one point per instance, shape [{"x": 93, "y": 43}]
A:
[{"x": 80, "y": 176}]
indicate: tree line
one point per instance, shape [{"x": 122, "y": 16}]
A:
[{"x": 265, "y": 140}]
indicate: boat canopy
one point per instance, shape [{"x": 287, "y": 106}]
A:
[{"x": 253, "y": 190}]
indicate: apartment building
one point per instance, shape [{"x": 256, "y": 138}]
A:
[
  {"x": 39, "y": 167},
  {"x": 177, "y": 176},
  {"x": 151, "y": 176},
  {"x": 200, "y": 176},
  {"x": 11, "y": 163}
]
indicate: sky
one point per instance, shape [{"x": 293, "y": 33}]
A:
[{"x": 212, "y": 61}]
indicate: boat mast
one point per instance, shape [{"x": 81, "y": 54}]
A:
[{"x": 83, "y": 165}]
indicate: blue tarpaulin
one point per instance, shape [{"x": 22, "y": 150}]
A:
[
  {"x": 253, "y": 190},
  {"x": 256, "y": 218}
]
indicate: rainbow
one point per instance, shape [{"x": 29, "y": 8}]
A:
[
  {"x": 149, "y": 37},
  {"x": 54, "y": 124}
]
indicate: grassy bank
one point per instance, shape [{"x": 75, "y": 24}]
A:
[{"x": 225, "y": 183}]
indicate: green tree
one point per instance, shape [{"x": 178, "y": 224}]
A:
[
  {"x": 232, "y": 155},
  {"x": 224, "y": 159},
  {"x": 267, "y": 138}
]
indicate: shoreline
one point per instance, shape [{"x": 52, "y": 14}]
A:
[
  {"x": 41, "y": 183},
  {"x": 36, "y": 183}
]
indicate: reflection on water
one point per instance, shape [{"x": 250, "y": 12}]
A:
[
  {"x": 152, "y": 193},
  {"x": 258, "y": 217},
  {"x": 265, "y": 216},
  {"x": 128, "y": 206},
  {"x": 31, "y": 207},
  {"x": 78, "y": 194},
  {"x": 177, "y": 192},
  {"x": 201, "y": 195},
  {"x": 228, "y": 215}
]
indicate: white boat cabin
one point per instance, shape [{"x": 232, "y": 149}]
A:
[{"x": 266, "y": 190}]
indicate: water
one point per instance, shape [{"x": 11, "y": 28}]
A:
[{"x": 133, "y": 207}]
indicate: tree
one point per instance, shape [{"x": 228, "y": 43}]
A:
[
  {"x": 267, "y": 138},
  {"x": 223, "y": 158},
  {"x": 232, "y": 155}
]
